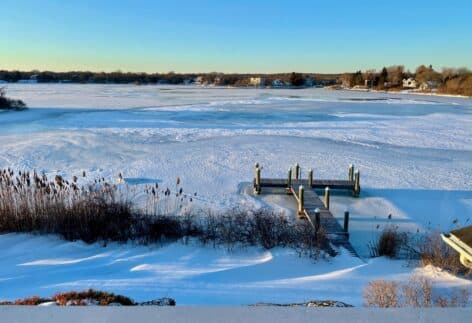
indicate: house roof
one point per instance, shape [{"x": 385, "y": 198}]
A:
[{"x": 461, "y": 241}]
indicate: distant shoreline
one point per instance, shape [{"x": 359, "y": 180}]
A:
[{"x": 403, "y": 92}]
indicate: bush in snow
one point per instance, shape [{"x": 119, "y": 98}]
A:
[
  {"x": 389, "y": 243},
  {"x": 31, "y": 202},
  {"x": 88, "y": 297},
  {"x": 417, "y": 292},
  {"x": 10, "y": 104},
  {"x": 433, "y": 251},
  {"x": 381, "y": 293},
  {"x": 91, "y": 297}
]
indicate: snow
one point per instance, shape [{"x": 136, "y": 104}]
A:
[
  {"x": 190, "y": 273},
  {"x": 413, "y": 152}
]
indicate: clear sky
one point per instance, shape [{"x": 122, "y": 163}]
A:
[{"x": 233, "y": 36}]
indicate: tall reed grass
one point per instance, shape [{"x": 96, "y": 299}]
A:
[{"x": 91, "y": 211}]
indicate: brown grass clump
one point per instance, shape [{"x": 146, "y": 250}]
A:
[
  {"x": 389, "y": 243},
  {"x": 91, "y": 296},
  {"x": 417, "y": 292},
  {"x": 31, "y": 202},
  {"x": 35, "y": 300}
]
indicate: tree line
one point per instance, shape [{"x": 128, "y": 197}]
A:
[
  {"x": 119, "y": 77},
  {"x": 448, "y": 80}
]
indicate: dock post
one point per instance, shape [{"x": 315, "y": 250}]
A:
[
  {"x": 351, "y": 172},
  {"x": 317, "y": 219},
  {"x": 357, "y": 186},
  {"x": 326, "y": 201},
  {"x": 297, "y": 171},
  {"x": 289, "y": 181},
  {"x": 301, "y": 198},
  {"x": 346, "y": 221},
  {"x": 257, "y": 180},
  {"x": 310, "y": 178}
]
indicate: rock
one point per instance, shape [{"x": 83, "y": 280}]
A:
[
  {"x": 308, "y": 304},
  {"x": 115, "y": 304},
  {"x": 52, "y": 303},
  {"x": 165, "y": 301}
]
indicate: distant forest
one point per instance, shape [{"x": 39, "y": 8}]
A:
[
  {"x": 220, "y": 79},
  {"x": 457, "y": 81}
]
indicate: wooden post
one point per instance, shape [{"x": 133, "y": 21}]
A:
[
  {"x": 351, "y": 172},
  {"x": 357, "y": 186},
  {"x": 297, "y": 171},
  {"x": 301, "y": 198},
  {"x": 317, "y": 219},
  {"x": 310, "y": 178},
  {"x": 289, "y": 181},
  {"x": 257, "y": 184},
  {"x": 346, "y": 221},
  {"x": 326, "y": 201}
]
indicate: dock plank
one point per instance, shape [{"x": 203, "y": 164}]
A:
[
  {"x": 312, "y": 201},
  {"x": 317, "y": 183}
]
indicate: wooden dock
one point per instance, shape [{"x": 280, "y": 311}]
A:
[{"x": 310, "y": 206}]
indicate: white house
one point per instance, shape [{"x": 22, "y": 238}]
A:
[
  {"x": 428, "y": 86},
  {"x": 278, "y": 83},
  {"x": 410, "y": 83},
  {"x": 256, "y": 81},
  {"x": 198, "y": 80}
]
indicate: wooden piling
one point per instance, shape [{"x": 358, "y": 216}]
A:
[
  {"x": 310, "y": 178},
  {"x": 297, "y": 171},
  {"x": 351, "y": 172},
  {"x": 301, "y": 200},
  {"x": 257, "y": 182},
  {"x": 289, "y": 181},
  {"x": 357, "y": 186},
  {"x": 326, "y": 198},
  {"x": 346, "y": 221},
  {"x": 317, "y": 219}
]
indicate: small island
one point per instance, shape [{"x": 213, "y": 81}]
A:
[{"x": 10, "y": 104}]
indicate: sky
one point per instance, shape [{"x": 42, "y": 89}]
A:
[{"x": 257, "y": 36}]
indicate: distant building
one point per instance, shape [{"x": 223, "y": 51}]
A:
[
  {"x": 278, "y": 83},
  {"x": 309, "y": 82},
  {"x": 428, "y": 86},
  {"x": 410, "y": 83},
  {"x": 218, "y": 81},
  {"x": 198, "y": 80},
  {"x": 257, "y": 81},
  {"x": 33, "y": 79}
]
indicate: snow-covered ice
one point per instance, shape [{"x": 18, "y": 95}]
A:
[{"x": 414, "y": 154}]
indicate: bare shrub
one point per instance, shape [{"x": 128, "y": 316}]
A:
[
  {"x": 87, "y": 296},
  {"x": 388, "y": 244},
  {"x": 433, "y": 251},
  {"x": 262, "y": 227},
  {"x": 30, "y": 202},
  {"x": 417, "y": 292},
  {"x": 381, "y": 293},
  {"x": 34, "y": 300},
  {"x": 429, "y": 249}
]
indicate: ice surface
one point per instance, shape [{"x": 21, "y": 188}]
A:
[{"x": 414, "y": 153}]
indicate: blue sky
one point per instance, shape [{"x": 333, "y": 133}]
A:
[{"x": 233, "y": 36}]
